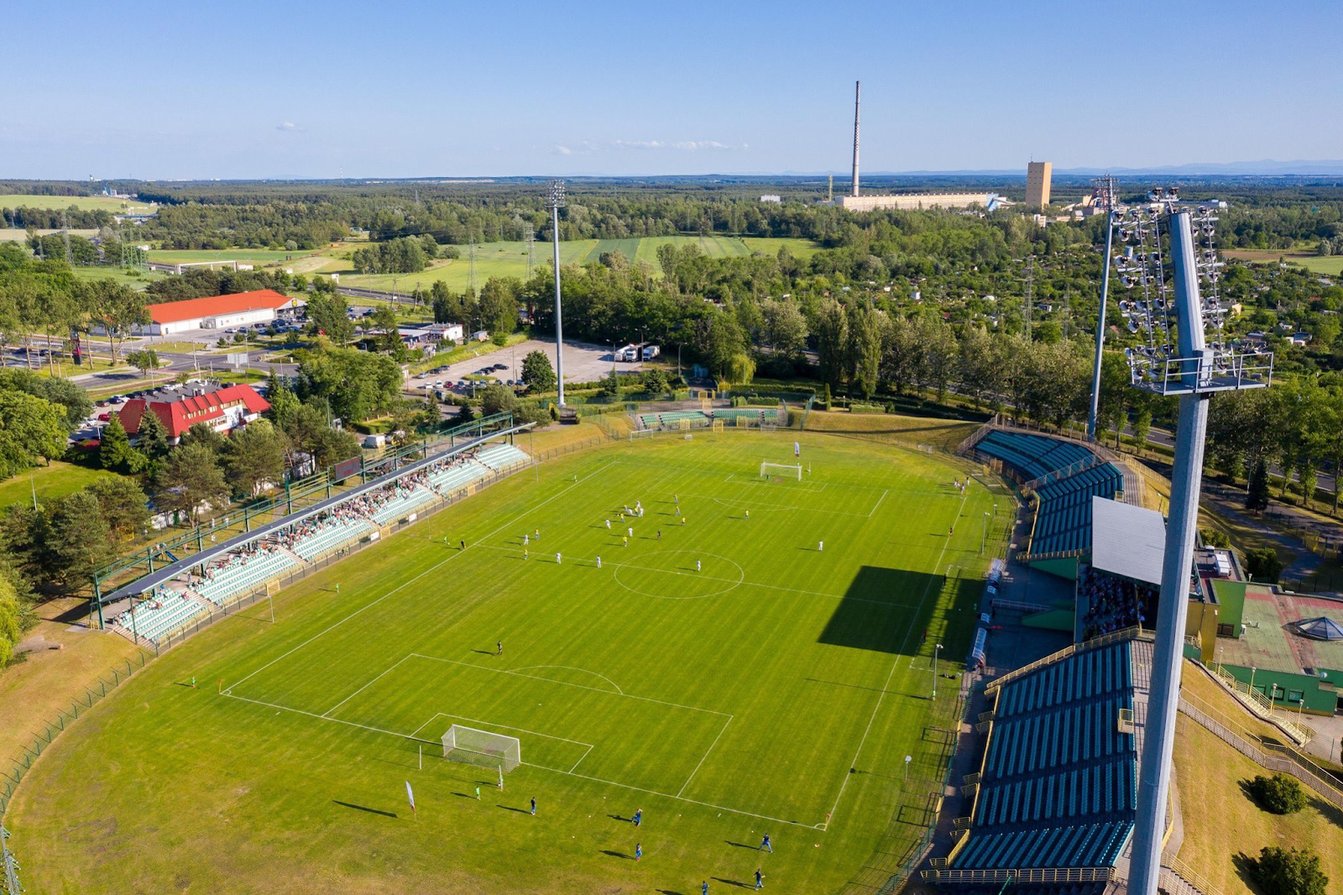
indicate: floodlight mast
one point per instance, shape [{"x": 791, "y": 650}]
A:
[
  {"x": 1174, "y": 363},
  {"x": 1104, "y": 193},
  {"x": 556, "y": 200}
]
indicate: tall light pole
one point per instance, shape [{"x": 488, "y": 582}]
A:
[
  {"x": 1171, "y": 312},
  {"x": 1104, "y": 193},
  {"x": 556, "y": 201},
  {"x": 937, "y": 649}
]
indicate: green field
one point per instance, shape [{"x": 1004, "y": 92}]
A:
[
  {"x": 84, "y": 203},
  {"x": 1330, "y": 265},
  {"x": 509, "y": 259},
  {"x": 54, "y": 480},
  {"x": 776, "y": 690}
]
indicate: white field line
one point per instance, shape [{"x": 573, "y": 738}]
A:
[
  {"x": 881, "y": 697},
  {"x": 704, "y": 756},
  {"x": 537, "y": 677},
  {"x": 574, "y": 668},
  {"x": 575, "y": 765},
  {"x": 876, "y": 506},
  {"x": 387, "y": 670},
  {"x": 569, "y": 773},
  {"x": 410, "y": 581},
  {"x": 496, "y": 726},
  {"x": 744, "y": 583}
]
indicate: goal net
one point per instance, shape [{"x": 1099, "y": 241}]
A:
[
  {"x": 718, "y": 425},
  {"x": 481, "y": 748},
  {"x": 792, "y": 471}
]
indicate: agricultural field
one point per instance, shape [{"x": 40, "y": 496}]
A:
[
  {"x": 509, "y": 259},
  {"x": 758, "y": 659},
  {"x": 252, "y": 256},
  {"x": 1330, "y": 265},
  {"x": 83, "y": 203}
]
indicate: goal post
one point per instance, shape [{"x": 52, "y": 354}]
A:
[
  {"x": 787, "y": 470},
  {"x": 482, "y": 748}
]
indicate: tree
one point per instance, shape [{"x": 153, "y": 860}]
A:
[
  {"x": 10, "y": 629},
  {"x": 832, "y": 338},
  {"x": 144, "y": 360},
  {"x": 655, "y": 381},
  {"x": 1263, "y": 565},
  {"x": 254, "y": 456},
  {"x": 497, "y": 398},
  {"x": 117, "y": 308},
  {"x": 1142, "y": 427},
  {"x": 116, "y": 452},
  {"x": 1256, "y": 495},
  {"x": 329, "y": 316},
  {"x": 200, "y": 433},
  {"x": 30, "y": 428},
  {"x": 865, "y": 349},
  {"x": 740, "y": 368},
  {"x": 1291, "y": 871},
  {"x": 152, "y": 437},
  {"x": 783, "y": 327},
  {"x": 356, "y": 385},
  {"x": 78, "y": 539},
  {"x": 1279, "y": 794},
  {"x": 499, "y": 304},
  {"x": 537, "y": 373},
  {"x": 190, "y": 479},
  {"x": 123, "y": 505},
  {"x": 69, "y": 395}
]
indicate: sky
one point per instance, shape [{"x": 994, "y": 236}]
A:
[{"x": 293, "y": 89}]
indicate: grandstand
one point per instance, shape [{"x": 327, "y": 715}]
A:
[
  {"x": 1055, "y": 798},
  {"x": 178, "y": 595},
  {"x": 1063, "y": 476},
  {"x": 665, "y": 420}
]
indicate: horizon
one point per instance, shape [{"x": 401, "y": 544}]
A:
[{"x": 696, "y": 91}]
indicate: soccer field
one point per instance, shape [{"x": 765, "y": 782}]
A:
[{"x": 725, "y": 674}]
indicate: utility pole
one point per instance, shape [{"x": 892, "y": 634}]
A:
[{"x": 556, "y": 201}]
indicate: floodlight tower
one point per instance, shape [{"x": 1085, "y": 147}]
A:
[
  {"x": 1176, "y": 359},
  {"x": 1103, "y": 193},
  {"x": 556, "y": 201}
]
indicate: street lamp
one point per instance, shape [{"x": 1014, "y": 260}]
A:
[
  {"x": 556, "y": 201},
  {"x": 984, "y": 535},
  {"x": 937, "y": 649}
]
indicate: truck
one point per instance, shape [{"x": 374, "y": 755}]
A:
[
  {"x": 651, "y": 351},
  {"x": 628, "y": 354}
]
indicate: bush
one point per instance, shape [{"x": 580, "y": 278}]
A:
[
  {"x": 1288, "y": 872},
  {"x": 1279, "y": 794},
  {"x": 866, "y": 408},
  {"x": 1263, "y": 565}
]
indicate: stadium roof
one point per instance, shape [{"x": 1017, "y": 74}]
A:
[
  {"x": 1127, "y": 540},
  {"x": 1320, "y": 628},
  {"x": 216, "y": 305}
]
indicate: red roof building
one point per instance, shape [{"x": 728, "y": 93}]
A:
[
  {"x": 218, "y": 311},
  {"x": 223, "y": 409}
]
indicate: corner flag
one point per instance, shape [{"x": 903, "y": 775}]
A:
[{"x": 410, "y": 794}]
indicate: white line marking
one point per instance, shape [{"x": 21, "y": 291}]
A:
[
  {"x": 494, "y": 724},
  {"x": 575, "y": 765},
  {"x": 478, "y": 667},
  {"x": 872, "y": 512},
  {"x": 704, "y": 756},
  {"x": 573, "y": 668},
  {"x": 387, "y": 670},
  {"x": 410, "y": 581}
]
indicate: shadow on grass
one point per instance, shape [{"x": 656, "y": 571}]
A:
[
  {"x": 864, "y": 618},
  {"x": 740, "y": 845},
  {"x": 377, "y": 811},
  {"x": 618, "y": 854},
  {"x": 1245, "y": 868},
  {"x": 619, "y": 818},
  {"x": 513, "y": 808},
  {"x": 733, "y": 882}
]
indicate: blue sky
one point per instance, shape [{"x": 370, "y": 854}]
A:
[{"x": 160, "y": 90}]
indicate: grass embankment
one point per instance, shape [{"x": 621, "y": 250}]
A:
[
  {"x": 774, "y": 690},
  {"x": 906, "y": 431}
]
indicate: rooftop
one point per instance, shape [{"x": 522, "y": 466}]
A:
[{"x": 1127, "y": 540}]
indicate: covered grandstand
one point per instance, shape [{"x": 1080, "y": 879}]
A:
[
  {"x": 175, "y": 597},
  {"x": 1054, "y": 801}
]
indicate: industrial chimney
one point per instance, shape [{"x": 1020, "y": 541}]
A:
[{"x": 857, "y": 97}]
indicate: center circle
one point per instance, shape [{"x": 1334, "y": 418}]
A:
[{"x": 671, "y": 575}]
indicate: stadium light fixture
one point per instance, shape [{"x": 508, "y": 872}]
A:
[
  {"x": 556, "y": 201},
  {"x": 1166, "y": 259}
]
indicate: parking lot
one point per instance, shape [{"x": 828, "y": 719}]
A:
[{"x": 583, "y": 362}]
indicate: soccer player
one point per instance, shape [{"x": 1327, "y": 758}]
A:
[
  {"x": 820, "y": 546},
  {"x": 599, "y": 562},
  {"x": 477, "y": 793},
  {"x": 697, "y": 566},
  {"x": 759, "y": 879},
  {"x": 499, "y": 648},
  {"x": 797, "y": 449},
  {"x": 630, "y": 531},
  {"x": 537, "y": 534},
  {"x": 533, "y": 807},
  {"x": 526, "y": 539},
  {"x": 463, "y": 545},
  {"x": 638, "y": 851},
  {"x": 704, "y": 888},
  {"x": 683, "y": 520},
  {"x": 608, "y": 524},
  {"x": 638, "y": 816},
  {"x": 524, "y": 552},
  {"x": 748, "y": 514},
  {"x": 765, "y": 845},
  {"x": 558, "y": 559},
  {"x": 659, "y": 534}
]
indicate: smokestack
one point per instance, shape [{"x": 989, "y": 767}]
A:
[{"x": 857, "y": 98}]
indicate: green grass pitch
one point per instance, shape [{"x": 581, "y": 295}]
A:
[{"x": 775, "y": 689}]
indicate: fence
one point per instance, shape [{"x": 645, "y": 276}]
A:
[
  {"x": 1268, "y": 756},
  {"x": 1260, "y": 705},
  {"x": 10, "y": 780}
]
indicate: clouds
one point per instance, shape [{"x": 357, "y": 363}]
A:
[
  {"x": 587, "y": 147},
  {"x": 287, "y": 126}
]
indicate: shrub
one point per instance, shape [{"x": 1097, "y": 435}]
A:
[
  {"x": 1288, "y": 872},
  {"x": 1279, "y": 794}
]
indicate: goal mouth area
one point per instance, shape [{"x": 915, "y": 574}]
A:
[
  {"x": 481, "y": 748},
  {"x": 784, "y": 470}
]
